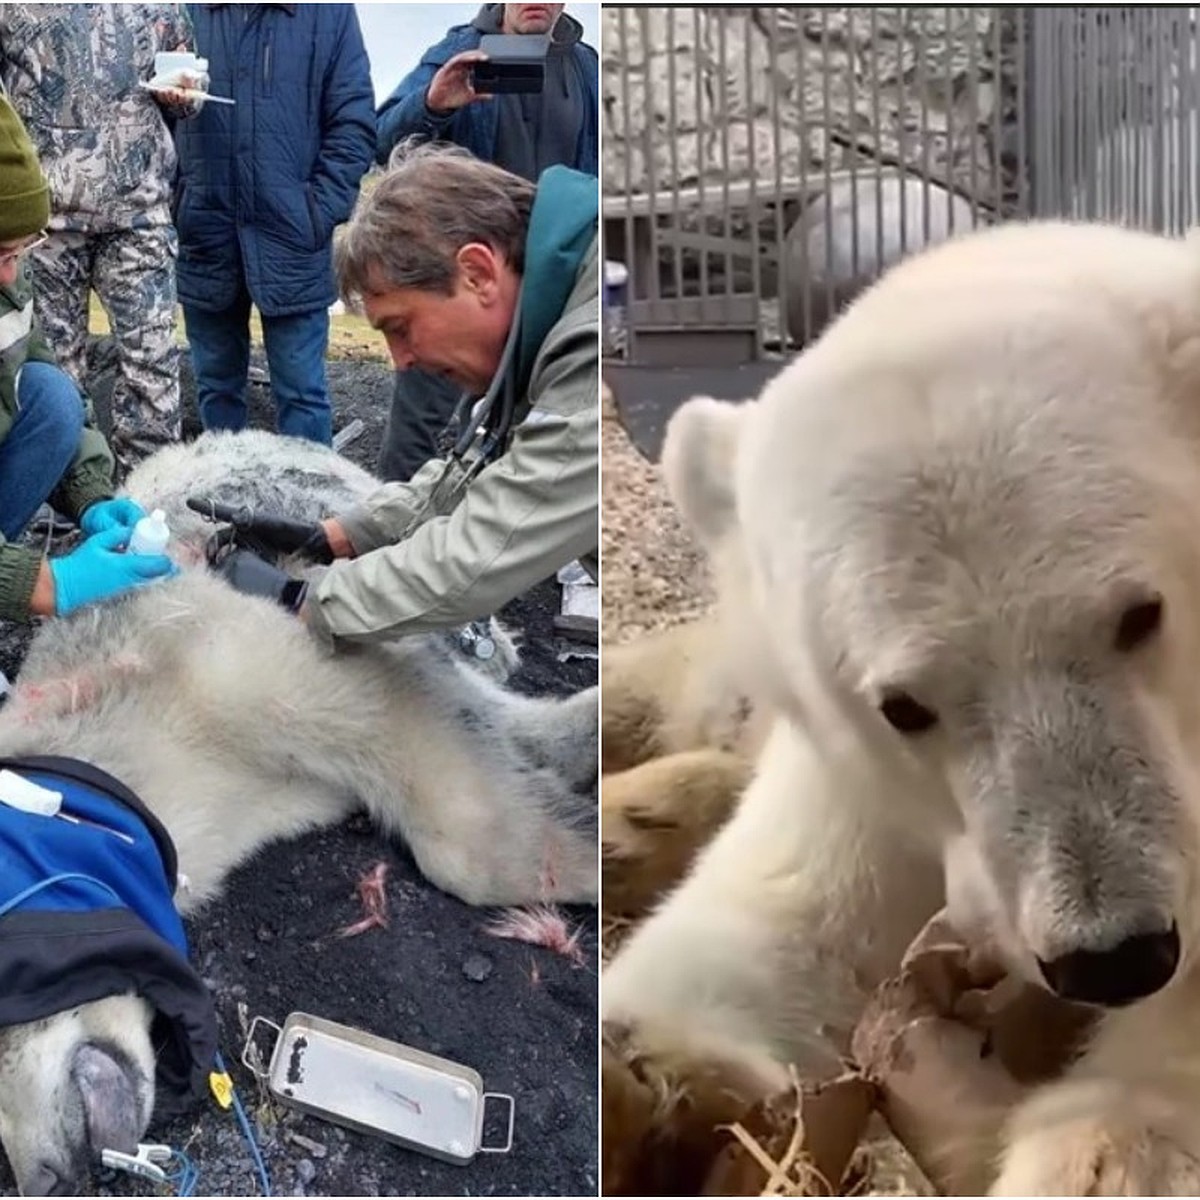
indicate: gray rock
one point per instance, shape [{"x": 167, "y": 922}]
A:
[
  {"x": 306, "y": 1171},
  {"x": 696, "y": 92},
  {"x": 315, "y": 1148},
  {"x": 477, "y": 967},
  {"x": 851, "y": 234}
]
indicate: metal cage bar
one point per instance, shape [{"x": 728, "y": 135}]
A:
[{"x": 762, "y": 165}]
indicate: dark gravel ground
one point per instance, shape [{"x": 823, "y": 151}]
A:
[{"x": 523, "y": 1017}]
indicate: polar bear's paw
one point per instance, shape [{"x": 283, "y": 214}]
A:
[
  {"x": 662, "y": 1104},
  {"x": 657, "y": 816},
  {"x": 1120, "y": 1152}
]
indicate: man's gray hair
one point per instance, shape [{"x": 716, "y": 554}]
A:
[{"x": 432, "y": 200}]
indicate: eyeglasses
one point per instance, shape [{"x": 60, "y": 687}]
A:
[{"x": 13, "y": 255}]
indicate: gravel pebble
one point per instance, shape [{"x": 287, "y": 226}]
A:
[
  {"x": 316, "y": 1149},
  {"x": 477, "y": 968}
]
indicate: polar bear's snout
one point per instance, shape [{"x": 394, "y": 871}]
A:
[
  {"x": 1085, "y": 831},
  {"x": 1137, "y": 967},
  {"x": 75, "y": 1084}
]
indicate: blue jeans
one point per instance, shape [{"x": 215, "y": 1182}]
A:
[
  {"x": 38, "y": 449},
  {"x": 295, "y": 345}
]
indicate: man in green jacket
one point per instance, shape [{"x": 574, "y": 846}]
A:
[
  {"x": 49, "y": 445},
  {"x": 493, "y": 282}
]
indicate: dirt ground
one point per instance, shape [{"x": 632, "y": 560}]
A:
[
  {"x": 524, "y": 1017},
  {"x": 654, "y": 574}
]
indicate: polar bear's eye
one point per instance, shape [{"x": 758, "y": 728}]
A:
[
  {"x": 904, "y": 713},
  {"x": 1138, "y": 623}
]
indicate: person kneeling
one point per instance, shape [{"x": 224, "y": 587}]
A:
[
  {"x": 493, "y": 283},
  {"x": 50, "y": 448}
]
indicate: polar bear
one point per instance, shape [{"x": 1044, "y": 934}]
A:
[
  {"x": 963, "y": 534},
  {"x": 235, "y": 728}
]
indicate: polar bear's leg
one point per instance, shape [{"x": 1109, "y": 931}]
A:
[
  {"x": 657, "y": 816},
  {"x": 802, "y": 903},
  {"x": 1125, "y": 1119}
]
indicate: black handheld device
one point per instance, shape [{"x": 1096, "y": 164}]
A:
[{"x": 516, "y": 62}]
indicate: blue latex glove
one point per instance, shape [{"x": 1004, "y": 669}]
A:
[
  {"x": 121, "y": 513},
  {"x": 98, "y": 570}
]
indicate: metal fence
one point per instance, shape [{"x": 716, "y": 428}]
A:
[
  {"x": 1115, "y": 96},
  {"x": 763, "y": 164}
]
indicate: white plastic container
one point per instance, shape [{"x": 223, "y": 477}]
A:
[
  {"x": 169, "y": 63},
  {"x": 150, "y": 534}
]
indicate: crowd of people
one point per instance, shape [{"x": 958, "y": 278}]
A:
[{"x": 219, "y": 189}]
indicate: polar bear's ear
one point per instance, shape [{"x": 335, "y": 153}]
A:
[{"x": 698, "y": 464}]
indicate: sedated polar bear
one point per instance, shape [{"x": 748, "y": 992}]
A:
[
  {"x": 964, "y": 529},
  {"x": 236, "y": 729}
]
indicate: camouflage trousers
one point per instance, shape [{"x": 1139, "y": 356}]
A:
[{"x": 133, "y": 273}]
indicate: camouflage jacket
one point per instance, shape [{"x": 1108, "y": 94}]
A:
[
  {"x": 72, "y": 73},
  {"x": 90, "y": 474}
]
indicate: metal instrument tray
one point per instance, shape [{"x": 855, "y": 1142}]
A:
[{"x": 372, "y": 1085}]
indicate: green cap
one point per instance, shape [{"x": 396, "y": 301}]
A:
[{"x": 24, "y": 192}]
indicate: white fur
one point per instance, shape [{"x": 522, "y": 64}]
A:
[
  {"x": 42, "y": 1121},
  {"x": 236, "y": 728},
  {"x": 957, "y": 492}
]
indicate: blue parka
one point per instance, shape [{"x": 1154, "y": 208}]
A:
[
  {"x": 87, "y": 910},
  {"x": 263, "y": 182},
  {"x": 474, "y": 126}
]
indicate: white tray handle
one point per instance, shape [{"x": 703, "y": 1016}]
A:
[
  {"x": 247, "y": 1060},
  {"x": 512, "y": 1111}
]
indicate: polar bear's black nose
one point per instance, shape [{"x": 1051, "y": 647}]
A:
[{"x": 1137, "y": 967}]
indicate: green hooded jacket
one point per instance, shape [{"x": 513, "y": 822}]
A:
[
  {"x": 446, "y": 548},
  {"x": 89, "y": 477}
]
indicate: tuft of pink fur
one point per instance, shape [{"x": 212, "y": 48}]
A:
[
  {"x": 371, "y": 894},
  {"x": 542, "y": 925},
  {"x": 58, "y": 697},
  {"x": 70, "y": 694}
]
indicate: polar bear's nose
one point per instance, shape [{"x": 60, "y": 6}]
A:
[
  {"x": 47, "y": 1180},
  {"x": 1134, "y": 968}
]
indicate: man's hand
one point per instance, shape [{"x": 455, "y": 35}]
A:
[
  {"x": 183, "y": 90},
  {"x": 450, "y": 89},
  {"x": 98, "y": 570},
  {"x": 251, "y": 575},
  {"x": 336, "y": 536},
  {"x": 183, "y": 96},
  {"x": 121, "y": 513}
]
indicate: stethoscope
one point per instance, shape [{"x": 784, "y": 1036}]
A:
[{"x": 497, "y": 421}]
